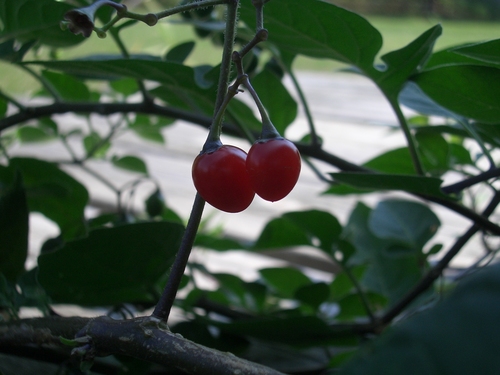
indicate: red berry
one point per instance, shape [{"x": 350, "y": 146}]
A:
[
  {"x": 221, "y": 178},
  {"x": 274, "y": 167}
]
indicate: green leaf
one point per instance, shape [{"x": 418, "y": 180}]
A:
[
  {"x": 464, "y": 89},
  {"x": 402, "y": 63},
  {"x": 69, "y": 88},
  {"x": 413, "y": 97},
  {"x": 28, "y": 20},
  {"x": 130, "y": 163},
  {"x": 145, "y": 128},
  {"x": 95, "y": 146},
  {"x": 284, "y": 281},
  {"x": 313, "y": 295},
  {"x": 486, "y": 51},
  {"x": 275, "y": 98},
  {"x": 14, "y": 223},
  {"x": 430, "y": 343},
  {"x": 397, "y": 161},
  {"x": 53, "y": 193},
  {"x": 352, "y": 307},
  {"x": 171, "y": 75},
  {"x": 3, "y": 107},
  {"x": 112, "y": 265},
  {"x": 125, "y": 86},
  {"x": 385, "y": 273},
  {"x": 315, "y": 228},
  {"x": 434, "y": 151},
  {"x": 180, "y": 52},
  {"x": 342, "y": 284},
  {"x": 319, "y": 29},
  {"x": 32, "y": 134},
  {"x": 430, "y": 186},
  {"x": 410, "y": 223}
]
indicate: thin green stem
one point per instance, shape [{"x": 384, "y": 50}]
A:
[
  {"x": 10, "y": 99},
  {"x": 191, "y": 6},
  {"x": 46, "y": 84},
  {"x": 410, "y": 139},
  {"x": 315, "y": 141},
  {"x": 115, "y": 34},
  {"x": 361, "y": 294}
]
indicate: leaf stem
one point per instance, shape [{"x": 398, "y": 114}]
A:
[{"x": 410, "y": 139}]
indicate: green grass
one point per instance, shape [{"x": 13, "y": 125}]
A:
[{"x": 396, "y": 32}]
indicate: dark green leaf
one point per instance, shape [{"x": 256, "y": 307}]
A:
[
  {"x": 486, "y": 51},
  {"x": 279, "y": 233},
  {"x": 280, "y": 105},
  {"x": 322, "y": 228},
  {"x": 397, "y": 161},
  {"x": 14, "y": 222},
  {"x": 410, "y": 223},
  {"x": 180, "y": 52},
  {"x": 130, "y": 163},
  {"x": 313, "y": 295},
  {"x": 3, "y": 107},
  {"x": 213, "y": 242},
  {"x": 242, "y": 115},
  {"x": 464, "y": 89},
  {"x": 385, "y": 274},
  {"x": 430, "y": 343},
  {"x": 145, "y": 128},
  {"x": 319, "y": 29},
  {"x": 155, "y": 203},
  {"x": 284, "y": 281},
  {"x": 112, "y": 265},
  {"x": 11, "y": 52},
  {"x": 68, "y": 87},
  {"x": 53, "y": 193},
  {"x": 28, "y": 20},
  {"x": 291, "y": 330},
  {"x": 342, "y": 284},
  {"x": 171, "y": 75},
  {"x": 402, "y": 63},
  {"x": 459, "y": 155},
  {"x": 430, "y": 186}
]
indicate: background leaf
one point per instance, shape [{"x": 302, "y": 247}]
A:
[
  {"x": 14, "y": 224},
  {"x": 130, "y": 163},
  {"x": 28, "y": 20},
  {"x": 464, "y": 89},
  {"x": 112, "y": 265},
  {"x": 319, "y": 29},
  {"x": 53, "y": 193},
  {"x": 430, "y": 343}
]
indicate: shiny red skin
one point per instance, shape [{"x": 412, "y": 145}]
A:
[
  {"x": 274, "y": 167},
  {"x": 222, "y": 180}
]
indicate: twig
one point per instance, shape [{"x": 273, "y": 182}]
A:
[{"x": 461, "y": 185}]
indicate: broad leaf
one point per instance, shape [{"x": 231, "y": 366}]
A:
[
  {"x": 53, "y": 193},
  {"x": 368, "y": 182},
  {"x": 14, "y": 223},
  {"x": 112, "y": 265},
  {"x": 386, "y": 274},
  {"x": 402, "y": 63},
  {"x": 69, "y": 88},
  {"x": 180, "y": 52},
  {"x": 488, "y": 51},
  {"x": 430, "y": 343},
  {"x": 284, "y": 281},
  {"x": 171, "y": 75},
  {"x": 318, "y": 29},
  {"x": 410, "y": 223},
  {"x": 464, "y": 89},
  {"x": 28, "y": 20},
  {"x": 95, "y": 146},
  {"x": 130, "y": 163}
]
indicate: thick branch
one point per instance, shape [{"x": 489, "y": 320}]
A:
[{"x": 144, "y": 338}]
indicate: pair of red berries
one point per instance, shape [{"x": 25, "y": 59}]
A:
[{"x": 228, "y": 178}]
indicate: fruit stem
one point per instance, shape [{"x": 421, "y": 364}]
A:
[{"x": 268, "y": 129}]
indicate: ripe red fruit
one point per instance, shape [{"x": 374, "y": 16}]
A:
[
  {"x": 274, "y": 167},
  {"x": 221, "y": 178}
]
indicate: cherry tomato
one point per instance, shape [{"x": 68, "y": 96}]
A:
[
  {"x": 274, "y": 167},
  {"x": 222, "y": 180}
]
